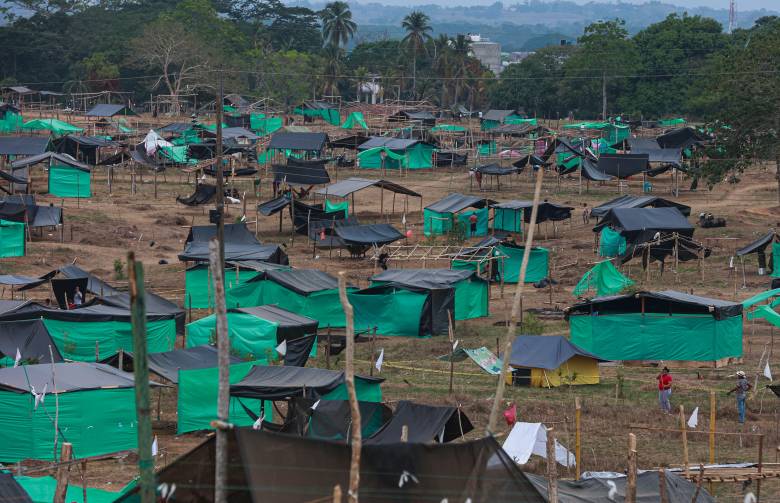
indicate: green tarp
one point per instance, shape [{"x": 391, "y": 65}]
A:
[
  {"x": 509, "y": 267},
  {"x": 94, "y": 421},
  {"x": 611, "y": 243},
  {"x": 76, "y": 339},
  {"x": 263, "y": 125},
  {"x": 448, "y": 127},
  {"x": 187, "y": 137},
  {"x": 250, "y": 337},
  {"x": 435, "y": 223},
  {"x": 486, "y": 149},
  {"x": 41, "y": 490},
  {"x": 197, "y": 403},
  {"x": 471, "y": 299},
  {"x": 671, "y": 122},
  {"x": 515, "y": 119},
  {"x": 761, "y": 297},
  {"x": 342, "y": 207},
  {"x": 199, "y": 289},
  {"x": 67, "y": 181},
  {"x": 652, "y": 336},
  {"x": 177, "y": 154},
  {"x": 418, "y": 156},
  {"x": 487, "y": 124},
  {"x": 366, "y": 391},
  {"x": 395, "y": 313},
  {"x": 765, "y": 313},
  {"x": 507, "y": 219},
  {"x": 11, "y": 123},
  {"x": 11, "y": 239},
  {"x": 602, "y": 279},
  {"x": 481, "y": 227},
  {"x": 329, "y": 115},
  {"x": 355, "y": 119},
  {"x": 56, "y": 127},
  {"x": 775, "y": 260}
]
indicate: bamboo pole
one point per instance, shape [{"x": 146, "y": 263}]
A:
[
  {"x": 451, "y": 333},
  {"x": 552, "y": 468},
  {"x": 141, "y": 373},
  {"x": 684, "y": 430},
  {"x": 698, "y": 484},
  {"x": 631, "y": 475},
  {"x": 713, "y": 412},
  {"x": 511, "y": 326},
  {"x": 349, "y": 377},
  {"x": 662, "y": 485},
  {"x": 578, "y": 436},
  {"x": 62, "y": 473}
]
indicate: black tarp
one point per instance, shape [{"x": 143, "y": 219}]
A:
[
  {"x": 544, "y": 351},
  {"x": 240, "y": 244},
  {"x": 8, "y": 177},
  {"x": 139, "y": 155},
  {"x": 388, "y": 142},
  {"x": 303, "y": 281},
  {"x": 591, "y": 172},
  {"x": 227, "y": 172},
  {"x": 65, "y": 289},
  {"x": 496, "y": 115},
  {"x": 654, "y": 151},
  {"x": 331, "y": 419},
  {"x": 494, "y": 169},
  {"x": 279, "y": 383},
  {"x": 663, "y": 302},
  {"x": 346, "y": 187},
  {"x": 204, "y": 194},
  {"x": 309, "y": 142},
  {"x": 351, "y": 142},
  {"x": 108, "y": 110},
  {"x": 47, "y": 216},
  {"x": 629, "y": 201},
  {"x": 638, "y": 225},
  {"x": 82, "y": 147},
  {"x": 435, "y": 312},
  {"x": 13, "y": 212},
  {"x": 623, "y": 165},
  {"x": 24, "y": 281},
  {"x": 30, "y": 338},
  {"x": 534, "y": 160},
  {"x": 426, "y": 278},
  {"x": 455, "y": 202},
  {"x": 546, "y": 210},
  {"x": 425, "y": 423},
  {"x": 446, "y": 158},
  {"x": 9, "y": 307},
  {"x": 11, "y": 491},
  {"x": 290, "y": 325},
  {"x": 174, "y": 128},
  {"x": 95, "y": 312},
  {"x": 287, "y": 468},
  {"x": 308, "y": 218},
  {"x": 95, "y": 285},
  {"x": 759, "y": 245},
  {"x": 681, "y": 138},
  {"x": 298, "y": 172},
  {"x": 23, "y": 145},
  {"x": 168, "y": 363},
  {"x": 273, "y": 206},
  {"x": 298, "y": 351},
  {"x": 73, "y": 376},
  {"x": 368, "y": 235},
  {"x": 52, "y": 157}
]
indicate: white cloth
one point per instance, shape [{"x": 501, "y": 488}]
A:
[
  {"x": 153, "y": 141},
  {"x": 380, "y": 360},
  {"x": 282, "y": 348},
  {"x": 526, "y": 439},
  {"x": 768, "y": 371},
  {"x": 693, "y": 421},
  {"x": 18, "y": 358},
  {"x": 154, "y": 446}
]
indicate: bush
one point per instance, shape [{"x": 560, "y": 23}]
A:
[{"x": 119, "y": 269}]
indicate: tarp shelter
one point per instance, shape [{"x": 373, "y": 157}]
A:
[
  {"x": 27, "y": 431},
  {"x": 198, "y": 280},
  {"x": 329, "y": 112},
  {"x": 281, "y": 383},
  {"x": 299, "y": 142},
  {"x": 654, "y": 151},
  {"x": 300, "y": 172},
  {"x": 759, "y": 248},
  {"x": 471, "y": 292},
  {"x": 254, "y": 332},
  {"x": 351, "y": 185},
  {"x": 264, "y": 126},
  {"x": 30, "y": 338},
  {"x": 442, "y": 216},
  {"x": 56, "y": 127},
  {"x": 80, "y": 333},
  {"x": 398, "y": 153},
  {"x": 41, "y": 490},
  {"x": 81, "y": 147},
  {"x": 12, "y": 239},
  {"x": 509, "y": 268},
  {"x": 423, "y": 117},
  {"x": 240, "y": 245},
  {"x": 526, "y": 439},
  {"x": 204, "y": 194},
  {"x": 425, "y": 424},
  {"x": 546, "y": 361},
  {"x": 623, "y": 165},
  {"x": 355, "y": 120},
  {"x": 664, "y": 325},
  {"x": 507, "y": 216},
  {"x": 603, "y": 279},
  {"x": 11, "y": 491},
  {"x": 681, "y": 138},
  {"x": 629, "y": 201},
  {"x": 494, "y": 118},
  {"x": 331, "y": 419},
  {"x": 109, "y": 110},
  {"x": 590, "y": 171},
  {"x": 598, "y": 488},
  {"x": 23, "y": 145},
  {"x": 361, "y": 237},
  {"x": 69, "y": 178},
  {"x": 351, "y": 142}
]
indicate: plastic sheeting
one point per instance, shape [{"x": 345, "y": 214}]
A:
[
  {"x": 629, "y": 201},
  {"x": 528, "y": 439},
  {"x": 509, "y": 267},
  {"x": 30, "y": 338},
  {"x": 611, "y": 243},
  {"x": 67, "y": 181},
  {"x": 12, "y": 243},
  {"x": 355, "y": 119},
  {"x": 41, "y": 490},
  {"x": 425, "y": 423},
  {"x": 380, "y": 307},
  {"x": 604, "y": 279}
]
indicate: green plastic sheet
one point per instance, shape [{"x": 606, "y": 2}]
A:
[
  {"x": 67, "y": 181},
  {"x": 11, "y": 239},
  {"x": 652, "y": 336},
  {"x": 366, "y": 391},
  {"x": 671, "y": 122},
  {"x": 57, "y": 127},
  {"x": 263, "y": 125},
  {"x": 383, "y": 310},
  {"x": 471, "y": 299},
  {"x": 329, "y": 115},
  {"x": 197, "y": 403},
  {"x": 765, "y": 313},
  {"x": 41, "y": 490},
  {"x": 538, "y": 264},
  {"x": 355, "y": 120},
  {"x": 507, "y": 219},
  {"x": 250, "y": 337},
  {"x": 486, "y": 149},
  {"x": 199, "y": 289},
  {"x": 514, "y": 119},
  {"x": 177, "y": 154},
  {"x": 775, "y": 260},
  {"x": 342, "y": 207},
  {"x": 96, "y": 422},
  {"x": 603, "y": 279},
  {"x": 418, "y": 156},
  {"x": 435, "y": 223},
  {"x": 448, "y": 127},
  {"x": 481, "y": 228},
  {"x": 76, "y": 339},
  {"x": 611, "y": 243},
  {"x": 760, "y": 297},
  {"x": 487, "y": 124},
  {"x": 11, "y": 123}
]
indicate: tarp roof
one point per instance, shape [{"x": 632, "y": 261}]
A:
[
  {"x": 22, "y": 208},
  {"x": 623, "y": 165},
  {"x": 11, "y": 491},
  {"x": 388, "y": 142},
  {"x": 759, "y": 245},
  {"x": 654, "y": 151},
  {"x": 232, "y": 133},
  {"x": 455, "y": 202},
  {"x": 17, "y": 280},
  {"x": 719, "y": 308},
  {"x": 496, "y": 170},
  {"x": 349, "y": 142},
  {"x": 204, "y": 194},
  {"x": 370, "y": 234},
  {"x": 497, "y": 115},
  {"x": 645, "y": 219},
  {"x": 591, "y": 172},
  {"x": 11, "y": 178},
  {"x": 426, "y": 278},
  {"x": 415, "y": 114},
  {"x": 681, "y": 138},
  {"x": 312, "y": 142},
  {"x": 346, "y": 187},
  {"x": 544, "y": 351},
  {"x": 282, "y": 317},
  {"x": 240, "y": 244},
  {"x": 20, "y": 89},
  {"x": 86, "y": 141},
  {"x": 424, "y": 423},
  {"x": 629, "y": 201},
  {"x": 108, "y": 110},
  {"x": 95, "y": 285},
  {"x": 304, "y": 281},
  {"x": 30, "y": 338},
  {"x": 50, "y": 157},
  {"x": 94, "y": 312},
  {"x": 168, "y": 363},
  {"x": 10, "y": 306},
  {"x": 298, "y": 172},
  {"x": 273, "y": 206},
  {"x": 175, "y": 127},
  {"x": 514, "y": 129},
  {"x": 274, "y": 383},
  {"x": 546, "y": 210},
  {"x": 74, "y": 376},
  {"x": 23, "y": 145}
]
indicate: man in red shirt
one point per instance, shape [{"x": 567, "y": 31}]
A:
[{"x": 665, "y": 390}]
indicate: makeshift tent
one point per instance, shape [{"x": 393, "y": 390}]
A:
[
  {"x": 471, "y": 291},
  {"x": 240, "y": 245},
  {"x": 84, "y": 148},
  {"x": 27, "y": 431},
  {"x": 546, "y": 361},
  {"x": 331, "y": 419},
  {"x": 509, "y": 266},
  {"x": 351, "y": 185},
  {"x": 681, "y": 138},
  {"x": 328, "y": 112},
  {"x": 355, "y": 119},
  {"x": 494, "y": 118},
  {"x": 424, "y": 423},
  {"x": 641, "y": 225},
  {"x": 41, "y": 490},
  {"x": 759, "y": 248},
  {"x": 70, "y": 179},
  {"x": 298, "y": 142},
  {"x": 281, "y": 383},
  {"x": 56, "y": 126},
  {"x": 199, "y": 287},
  {"x": 665, "y": 325},
  {"x": 398, "y": 153},
  {"x": 254, "y": 332},
  {"x": 611, "y": 243},
  {"x": 629, "y": 201},
  {"x": 653, "y": 150},
  {"x": 29, "y": 339},
  {"x": 507, "y": 216},
  {"x": 23, "y": 145},
  {"x": 12, "y": 240},
  {"x": 204, "y": 194},
  {"x": 109, "y": 110},
  {"x": 623, "y": 165},
  {"x": 300, "y": 172},
  {"x": 604, "y": 279},
  {"x": 440, "y": 217},
  {"x": 264, "y": 126},
  {"x": 526, "y": 439},
  {"x": 362, "y": 237},
  {"x": 22, "y": 208}
]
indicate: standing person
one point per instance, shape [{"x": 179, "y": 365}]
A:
[
  {"x": 78, "y": 298},
  {"x": 473, "y": 223},
  {"x": 665, "y": 390},
  {"x": 585, "y": 214},
  {"x": 741, "y": 389}
]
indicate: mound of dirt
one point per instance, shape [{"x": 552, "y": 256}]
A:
[{"x": 171, "y": 220}]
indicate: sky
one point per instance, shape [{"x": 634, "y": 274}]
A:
[{"x": 716, "y": 4}]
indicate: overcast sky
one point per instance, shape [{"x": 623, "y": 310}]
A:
[{"x": 723, "y": 4}]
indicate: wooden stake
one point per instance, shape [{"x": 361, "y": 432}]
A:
[
  {"x": 631, "y": 475},
  {"x": 577, "y": 436},
  {"x": 552, "y": 467},
  {"x": 337, "y": 493},
  {"x": 141, "y": 373},
  {"x": 684, "y": 430},
  {"x": 404, "y": 433},
  {"x": 349, "y": 377},
  {"x": 698, "y": 484},
  {"x": 63, "y": 471},
  {"x": 223, "y": 361},
  {"x": 662, "y": 485},
  {"x": 451, "y": 334},
  {"x": 713, "y": 411}
]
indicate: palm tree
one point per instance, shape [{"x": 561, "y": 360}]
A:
[
  {"x": 333, "y": 57},
  {"x": 441, "y": 60},
  {"x": 461, "y": 51},
  {"x": 417, "y": 26},
  {"x": 337, "y": 24}
]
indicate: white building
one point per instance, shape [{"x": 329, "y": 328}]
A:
[{"x": 488, "y": 53}]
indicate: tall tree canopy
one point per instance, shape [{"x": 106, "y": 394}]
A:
[{"x": 337, "y": 24}]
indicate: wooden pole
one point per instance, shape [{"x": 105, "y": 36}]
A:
[
  {"x": 631, "y": 475},
  {"x": 662, "y": 485},
  {"x": 63, "y": 471},
  {"x": 337, "y": 494},
  {"x": 552, "y": 467},
  {"x": 349, "y": 377},
  {"x": 451, "y": 334},
  {"x": 223, "y": 361},
  {"x": 760, "y": 467},
  {"x": 578, "y": 436},
  {"x": 713, "y": 411},
  {"x": 684, "y": 430},
  {"x": 699, "y": 480},
  {"x": 141, "y": 373},
  {"x": 512, "y": 325}
]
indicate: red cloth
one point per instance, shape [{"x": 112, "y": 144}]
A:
[
  {"x": 473, "y": 218},
  {"x": 510, "y": 415},
  {"x": 664, "y": 381}
]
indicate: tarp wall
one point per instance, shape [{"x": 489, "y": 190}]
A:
[
  {"x": 198, "y": 285},
  {"x": 11, "y": 239},
  {"x": 393, "y": 313},
  {"x": 538, "y": 264},
  {"x": 250, "y": 336},
  {"x": 505, "y": 219},
  {"x": 482, "y": 222},
  {"x": 67, "y": 181},
  {"x": 435, "y": 223},
  {"x": 611, "y": 243}
]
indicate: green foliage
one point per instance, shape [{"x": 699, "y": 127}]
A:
[
  {"x": 531, "y": 325},
  {"x": 337, "y": 24},
  {"x": 119, "y": 269}
]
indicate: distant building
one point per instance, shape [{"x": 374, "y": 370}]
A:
[{"x": 488, "y": 53}]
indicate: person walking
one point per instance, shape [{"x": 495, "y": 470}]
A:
[
  {"x": 665, "y": 390},
  {"x": 741, "y": 389}
]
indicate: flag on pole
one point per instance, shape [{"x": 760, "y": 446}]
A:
[
  {"x": 693, "y": 421},
  {"x": 282, "y": 348},
  {"x": 154, "y": 447},
  {"x": 768, "y": 371},
  {"x": 18, "y": 358},
  {"x": 380, "y": 360}
]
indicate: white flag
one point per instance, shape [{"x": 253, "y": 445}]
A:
[
  {"x": 693, "y": 421},
  {"x": 154, "y": 446},
  {"x": 768, "y": 371},
  {"x": 380, "y": 360},
  {"x": 313, "y": 407},
  {"x": 403, "y": 219},
  {"x": 282, "y": 348},
  {"x": 39, "y": 397},
  {"x": 18, "y": 358},
  {"x": 455, "y": 344},
  {"x": 258, "y": 425}
]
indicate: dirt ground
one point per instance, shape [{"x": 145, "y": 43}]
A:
[{"x": 100, "y": 231}]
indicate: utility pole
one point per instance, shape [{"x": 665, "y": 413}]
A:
[{"x": 141, "y": 373}]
